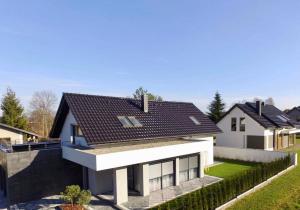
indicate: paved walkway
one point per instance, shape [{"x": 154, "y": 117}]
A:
[
  {"x": 160, "y": 196},
  {"x": 51, "y": 202}
]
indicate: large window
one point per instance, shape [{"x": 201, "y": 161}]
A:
[
  {"x": 161, "y": 175},
  {"x": 242, "y": 124},
  {"x": 188, "y": 168},
  {"x": 233, "y": 124},
  {"x": 129, "y": 121}
]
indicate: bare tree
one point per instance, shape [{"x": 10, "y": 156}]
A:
[{"x": 42, "y": 112}]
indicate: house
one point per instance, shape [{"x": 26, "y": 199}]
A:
[
  {"x": 257, "y": 126},
  {"x": 10, "y": 135},
  {"x": 294, "y": 113},
  {"x": 126, "y": 145}
]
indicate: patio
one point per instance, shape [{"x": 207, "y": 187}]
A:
[{"x": 160, "y": 196}]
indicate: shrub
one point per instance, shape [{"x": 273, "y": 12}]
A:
[
  {"x": 219, "y": 193},
  {"x": 74, "y": 195}
]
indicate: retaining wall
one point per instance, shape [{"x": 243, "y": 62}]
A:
[
  {"x": 35, "y": 174},
  {"x": 252, "y": 155}
]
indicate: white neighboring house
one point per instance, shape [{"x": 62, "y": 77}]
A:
[
  {"x": 133, "y": 145},
  {"x": 257, "y": 126},
  {"x": 11, "y": 135}
]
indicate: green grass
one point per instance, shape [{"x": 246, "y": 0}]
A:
[
  {"x": 282, "y": 193},
  {"x": 229, "y": 168}
]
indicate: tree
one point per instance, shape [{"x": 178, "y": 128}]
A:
[
  {"x": 74, "y": 195},
  {"x": 141, "y": 91},
  {"x": 12, "y": 110},
  {"x": 270, "y": 101},
  {"x": 216, "y": 108},
  {"x": 42, "y": 112}
]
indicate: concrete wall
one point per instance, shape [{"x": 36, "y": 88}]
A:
[
  {"x": 34, "y": 174},
  {"x": 100, "y": 181},
  {"x": 15, "y": 137},
  {"x": 253, "y": 155},
  {"x": 237, "y": 138},
  {"x": 66, "y": 132}
]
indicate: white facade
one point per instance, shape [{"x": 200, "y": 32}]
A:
[
  {"x": 238, "y": 138},
  {"x": 109, "y": 170},
  {"x": 66, "y": 135},
  {"x": 14, "y": 136}
]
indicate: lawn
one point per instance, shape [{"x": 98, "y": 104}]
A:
[
  {"x": 228, "y": 168},
  {"x": 282, "y": 193}
]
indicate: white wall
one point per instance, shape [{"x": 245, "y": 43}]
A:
[
  {"x": 119, "y": 159},
  {"x": 252, "y": 155},
  {"x": 66, "y": 132},
  {"x": 237, "y": 138},
  {"x": 15, "y": 137}
]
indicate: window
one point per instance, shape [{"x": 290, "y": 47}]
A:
[
  {"x": 282, "y": 118},
  {"x": 188, "y": 168},
  {"x": 135, "y": 122},
  {"x": 195, "y": 120},
  {"x": 125, "y": 121},
  {"x": 242, "y": 124},
  {"x": 129, "y": 121},
  {"x": 233, "y": 124},
  {"x": 77, "y": 131},
  {"x": 161, "y": 175}
]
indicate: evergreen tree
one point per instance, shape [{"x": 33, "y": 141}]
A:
[
  {"x": 216, "y": 108},
  {"x": 12, "y": 111}
]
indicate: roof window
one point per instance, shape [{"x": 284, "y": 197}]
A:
[
  {"x": 195, "y": 121},
  {"x": 129, "y": 121}
]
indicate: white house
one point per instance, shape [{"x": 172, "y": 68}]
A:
[
  {"x": 10, "y": 135},
  {"x": 133, "y": 145},
  {"x": 258, "y": 126}
]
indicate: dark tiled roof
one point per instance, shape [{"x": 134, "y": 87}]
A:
[
  {"x": 97, "y": 117},
  {"x": 294, "y": 113},
  {"x": 269, "y": 117}
]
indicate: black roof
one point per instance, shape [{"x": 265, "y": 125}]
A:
[
  {"x": 97, "y": 118},
  {"x": 271, "y": 116}
]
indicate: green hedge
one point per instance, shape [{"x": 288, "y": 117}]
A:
[{"x": 215, "y": 195}]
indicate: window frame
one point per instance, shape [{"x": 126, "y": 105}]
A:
[
  {"x": 233, "y": 119},
  {"x": 134, "y": 121},
  {"x": 242, "y": 125}
]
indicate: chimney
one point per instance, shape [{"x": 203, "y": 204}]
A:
[
  {"x": 259, "y": 106},
  {"x": 145, "y": 103}
]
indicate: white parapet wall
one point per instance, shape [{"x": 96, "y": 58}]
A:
[{"x": 251, "y": 155}]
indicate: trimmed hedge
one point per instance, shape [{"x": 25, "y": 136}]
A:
[{"x": 217, "y": 194}]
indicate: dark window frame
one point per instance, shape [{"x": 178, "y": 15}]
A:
[
  {"x": 233, "y": 124},
  {"x": 242, "y": 126}
]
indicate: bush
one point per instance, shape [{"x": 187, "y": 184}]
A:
[
  {"x": 217, "y": 194},
  {"x": 74, "y": 195}
]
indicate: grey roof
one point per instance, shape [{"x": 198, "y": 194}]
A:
[
  {"x": 97, "y": 118},
  {"x": 2, "y": 125},
  {"x": 269, "y": 117}
]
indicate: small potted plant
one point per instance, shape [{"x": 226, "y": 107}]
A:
[{"x": 75, "y": 198}]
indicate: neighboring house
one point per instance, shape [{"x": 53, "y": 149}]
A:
[
  {"x": 294, "y": 113},
  {"x": 258, "y": 126},
  {"x": 129, "y": 145},
  {"x": 12, "y": 135}
]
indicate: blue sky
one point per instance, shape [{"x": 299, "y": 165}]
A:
[{"x": 181, "y": 50}]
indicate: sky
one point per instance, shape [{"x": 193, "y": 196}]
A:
[{"x": 180, "y": 50}]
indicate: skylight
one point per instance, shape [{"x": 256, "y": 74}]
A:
[
  {"x": 125, "y": 121},
  {"x": 135, "y": 122},
  {"x": 195, "y": 121},
  {"x": 282, "y": 118},
  {"x": 129, "y": 121}
]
